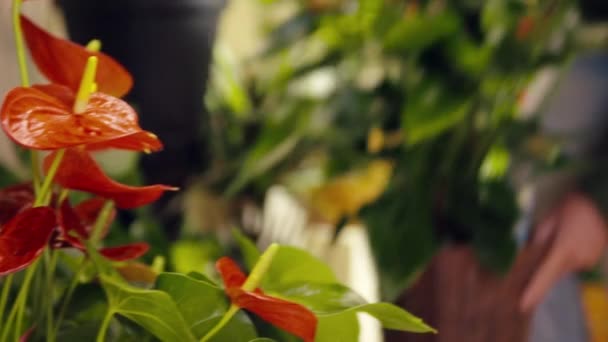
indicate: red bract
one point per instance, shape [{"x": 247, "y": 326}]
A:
[
  {"x": 78, "y": 171},
  {"x": 62, "y": 62},
  {"x": 78, "y": 221},
  {"x": 289, "y": 316},
  {"x": 42, "y": 118},
  {"x": 14, "y": 199},
  {"x": 24, "y": 237}
]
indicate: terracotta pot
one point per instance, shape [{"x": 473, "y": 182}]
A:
[{"x": 467, "y": 303}]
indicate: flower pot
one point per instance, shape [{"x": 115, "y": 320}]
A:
[{"x": 466, "y": 302}]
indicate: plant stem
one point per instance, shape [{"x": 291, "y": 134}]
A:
[
  {"x": 50, "y": 266},
  {"x": 101, "y": 335},
  {"x": 41, "y": 198},
  {"x": 68, "y": 295},
  {"x": 252, "y": 282},
  {"x": 25, "y": 79},
  {"x": 101, "y": 221},
  {"x": 19, "y": 305},
  {"x": 6, "y": 288}
]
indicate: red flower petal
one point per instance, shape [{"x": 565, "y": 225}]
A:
[
  {"x": 89, "y": 210},
  {"x": 79, "y": 171},
  {"x": 138, "y": 141},
  {"x": 24, "y": 237},
  {"x": 125, "y": 252},
  {"x": 231, "y": 272},
  {"x": 41, "y": 118},
  {"x": 13, "y": 199},
  {"x": 63, "y": 62},
  {"x": 289, "y": 316}
]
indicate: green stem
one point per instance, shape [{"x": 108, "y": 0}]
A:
[
  {"x": 68, "y": 295},
  {"x": 101, "y": 221},
  {"x": 48, "y": 180},
  {"x": 101, "y": 335},
  {"x": 19, "y": 305},
  {"x": 25, "y": 79},
  {"x": 252, "y": 282},
  {"x": 35, "y": 161},
  {"x": 6, "y": 289},
  {"x": 51, "y": 265}
]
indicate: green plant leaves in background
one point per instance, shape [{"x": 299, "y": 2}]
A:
[{"x": 152, "y": 309}]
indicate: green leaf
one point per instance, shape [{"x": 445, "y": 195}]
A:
[
  {"x": 263, "y": 339},
  {"x": 202, "y": 305},
  {"x": 419, "y": 31},
  {"x": 152, "y": 309},
  {"x": 343, "y": 327},
  {"x": 320, "y": 298},
  {"x": 392, "y": 317},
  {"x": 250, "y": 252},
  {"x": 292, "y": 265},
  {"x": 431, "y": 111}
]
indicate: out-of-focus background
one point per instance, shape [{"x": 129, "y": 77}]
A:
[{"x": 411, "y": 144}]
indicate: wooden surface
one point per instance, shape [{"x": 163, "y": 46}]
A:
[{"x": 467, "y": 303}]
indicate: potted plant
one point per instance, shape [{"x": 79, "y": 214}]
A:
[{"x": 59, "y": 281}]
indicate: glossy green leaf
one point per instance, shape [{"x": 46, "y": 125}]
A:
[
  {"x": 292, "y": 265},
  {"x": 152, "y": 309},
  {"x": 250, "y": 252},
  {"x": 263, "y": 339},
  {"x": 343, "y": 327},
  {"x": 202, "y": 305},
  {"x": 320, "y": 298},
  {"x": 392, "y": 317}
]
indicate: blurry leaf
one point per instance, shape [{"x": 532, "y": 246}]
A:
[
  {"x": 250, "y": 252},
  {"x": 203, "y": 305},
  {"x": 493, "y": 238},
  {"x": 154, "y": 310},
  {"x": 292, "y": 265},
  {"x": 263, "y": 339},
  {"x": 187, "y": 256},
  {"x": 320, "y": 298},
  {"x": 419, "y": 31},
  {"x": 431, "y": 111},
  {"x": 345, "y": 195},
  {"x": 495, "y": 164},
  {"x": 402, "y": 237},
  {"x": 279, "y": 137},
  {"x": 369, "y": 12}
]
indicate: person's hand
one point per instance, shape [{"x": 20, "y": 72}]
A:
[{"x": 579, "y": 235}]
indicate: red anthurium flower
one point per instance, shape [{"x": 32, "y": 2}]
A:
[
  {"x": 78, "y": 220},
  {"x": 289, "y": 316},
  {"x": 14, "y": 199},
  {"x": 42, "y": 118},
  {"x": 62, "y": 62},
  {"x": 24, "y": 237},
  {"x": 78, "y": 171}
]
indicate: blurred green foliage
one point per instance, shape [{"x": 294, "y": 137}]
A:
[{"x": 442, "y": 81}]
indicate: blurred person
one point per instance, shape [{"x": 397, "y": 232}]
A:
[
  {"x": 576, "y": 225},
  {"x": 166, "y": 45}
]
